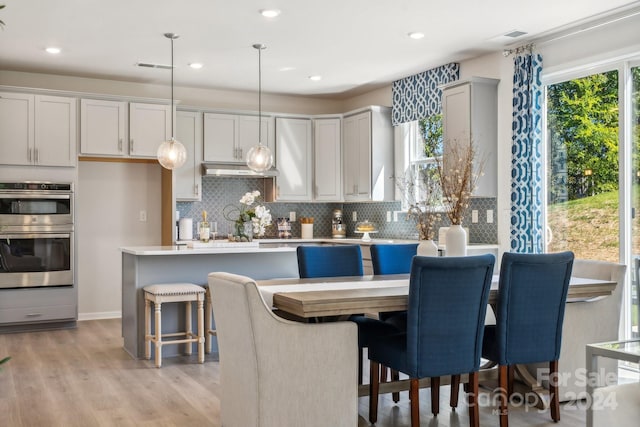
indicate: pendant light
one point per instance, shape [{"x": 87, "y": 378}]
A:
[
  {"x": 172, "y": 154},
  {"x": 259, "y": 157}
]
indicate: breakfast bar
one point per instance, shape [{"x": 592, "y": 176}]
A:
[{"x": 142, "y": 266}]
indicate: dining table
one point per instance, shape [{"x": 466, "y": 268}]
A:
[{"x": 304, "y": 299}]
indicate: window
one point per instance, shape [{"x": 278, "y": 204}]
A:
[{"x": 422, "y": 141}]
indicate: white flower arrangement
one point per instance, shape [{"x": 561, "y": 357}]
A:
[{"x": 249, "y": 211}]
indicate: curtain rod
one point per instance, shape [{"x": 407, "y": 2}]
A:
[{"x": 518, "y": 50}]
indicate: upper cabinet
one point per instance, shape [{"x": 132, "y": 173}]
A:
[
  {"x": 470, "y": 114},
  {"x": 149, "y": 126},
  {"x": 37, "y": 130},
  {"x": 294, "y": 159},
  {"x": 229, "y": 137},
  {"x": 103, "y": 127},
  {"x": 189, "y": 176},
  {"x": 368, "y": 155},
  {"x": 327, "y": 155}
]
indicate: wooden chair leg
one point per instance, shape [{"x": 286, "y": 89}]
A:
[
  {"x": 414, "y": 396},
  {"x": 188, "y": 346},
  {"x": 553, "y": 391},
  {"x": 374, "y": 389},
  {"x": 395, "y": 376},
  {"x": 503, "y": 395},
  {"x": 435, "y": 396},
  {"x": 201, "y": 331},
  {"x": 383, "y": 374},
  {"x": 474, "y": 410},
  {"x": 455, "y": 388},
  {"x": 147, "y": 329},
  {"x": 208, "y": 320}
]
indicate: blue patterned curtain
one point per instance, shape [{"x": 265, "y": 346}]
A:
[
  {"x": 526, "y": 156},
  {"x": 419, "y": 96}
]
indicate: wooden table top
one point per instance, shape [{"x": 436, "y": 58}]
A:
[{"x": 316, "y": 302}]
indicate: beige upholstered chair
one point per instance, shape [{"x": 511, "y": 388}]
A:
[
  {"x": 275, "y": 372},
  {"x": 587, "y": 322}
]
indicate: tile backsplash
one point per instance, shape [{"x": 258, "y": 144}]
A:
[{"x": 218, "y": 192}]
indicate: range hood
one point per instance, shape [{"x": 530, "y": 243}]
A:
[{"x": 235, "y": 169}]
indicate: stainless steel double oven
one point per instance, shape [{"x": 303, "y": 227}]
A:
[{"x": 36, "y": 234}]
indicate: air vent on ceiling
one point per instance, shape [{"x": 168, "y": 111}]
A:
[
  {"x": 515, "y": 33},
  {"x": 149, "y": 65}
]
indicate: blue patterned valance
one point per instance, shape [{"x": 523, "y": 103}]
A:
[{"x": 419, "y": 96}]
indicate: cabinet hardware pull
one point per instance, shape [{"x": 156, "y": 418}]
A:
[
  {"x": 29, "y": 155},
  {"x": 37, "y": 157},
  {"x": 131, "y": 146},
  {"x": 120, "y": 144},
  {"x": 33, "y": 315},
  {"x": 197, "y": 190}
]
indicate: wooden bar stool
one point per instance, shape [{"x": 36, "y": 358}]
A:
[
  {"x": 208, "y": 319},
  {"x": 173, "y": 292}
]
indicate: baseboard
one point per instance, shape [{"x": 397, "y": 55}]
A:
[{"x": 99, "y": 316}]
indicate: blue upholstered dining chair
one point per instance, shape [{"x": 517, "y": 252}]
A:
[
  {"x": 329, "y": 261},
  {"x": 531, "y": 301},
  {"x": 336, "y": 261},
  {"x": 445, "y": 323}
]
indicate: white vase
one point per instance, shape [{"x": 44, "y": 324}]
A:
[
  {"x": 427, "y": 248},
  {"x": 456, "y": 242}
]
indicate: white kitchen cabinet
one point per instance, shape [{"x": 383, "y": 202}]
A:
[
  {"x": 229, "y": 137},
  {"x": 149, "y": 126},
  {"x": 189, "y": 176},
  {"x": 327, "y": 152},
  {"x": 368, "y": 155},
  {"x": 37, "y": 130},
  {"x": 470, "y": 114},
  {"x": 103, "y": 127},
  {"x": 294, "y": 152}
]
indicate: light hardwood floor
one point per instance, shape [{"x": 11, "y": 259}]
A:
[{"x": 83, "y": 377}]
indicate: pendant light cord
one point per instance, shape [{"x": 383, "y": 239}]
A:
[
  {"x": 260, "y": 96},
  {"x": 173, "y": 136}
]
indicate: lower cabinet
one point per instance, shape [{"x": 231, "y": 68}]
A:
[{"x": 34, "y": 306}]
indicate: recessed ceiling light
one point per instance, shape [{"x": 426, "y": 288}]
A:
[
  {"x": 287, "y": 68},
  {"x": 269, "y": 13},
  {"x": 195, "y": 65},
  {"x": 315, "y": 78},
  {"x": 53, "y": 50},
  {"x": 416, "y": 35}
]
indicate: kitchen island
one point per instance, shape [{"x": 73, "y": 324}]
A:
[{"x": 142, "y": 266}]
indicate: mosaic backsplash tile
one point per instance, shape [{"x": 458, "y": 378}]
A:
[{"x": 219, "y": 192}]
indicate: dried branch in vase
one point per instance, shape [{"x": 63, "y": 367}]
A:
[
  {"x": 420, "y": 189},
  {"x": 458, "y": 179}
]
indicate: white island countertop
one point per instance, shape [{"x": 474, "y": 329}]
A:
[{"x": 267, "y": 245}]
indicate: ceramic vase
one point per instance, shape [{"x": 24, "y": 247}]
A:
[
  {"x": 456, "y": 242},
  {"x": 427, "y": 248}
]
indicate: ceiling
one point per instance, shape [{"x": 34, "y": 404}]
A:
[{"x": 355, "y": 45}]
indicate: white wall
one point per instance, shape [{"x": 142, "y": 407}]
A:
[{"x": 109, "y": 198}]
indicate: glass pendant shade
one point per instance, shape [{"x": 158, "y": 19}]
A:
[
  {"x": 171, "y": 154},
  {"x": 259, "y": 158}
]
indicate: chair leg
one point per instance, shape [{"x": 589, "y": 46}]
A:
[
  {"x": 374, "y": 389},
  {"x": 455, "y": 387},
  {"x": 414, "y": 397},
  {"x": 502, "y": 395},
  {"x": 435, "y": 396},
  {"x": 395, "y": 376},
  {"x": 147, "y": 329},
  {"x": 474, "y": 410},
  {"x": 207, "y": 323},
  {"x": 158, "y": 310},
  {"x": 553, "y": 391},
  {"x": 188, "y": 347},
  {"x": 383, "y": 374},
  {"x": 201, "y": 331}
]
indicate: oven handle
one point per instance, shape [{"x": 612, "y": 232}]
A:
[
  {"x": 43, "y": 196},
  {"x": 35, "y": 236}
]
